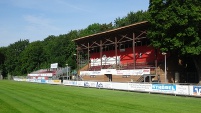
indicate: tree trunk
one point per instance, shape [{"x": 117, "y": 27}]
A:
[{"x": 197, "y": 62}]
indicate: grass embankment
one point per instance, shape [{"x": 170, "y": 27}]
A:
[{"x": 22, "y": 97}]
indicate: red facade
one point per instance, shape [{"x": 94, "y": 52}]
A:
[{"x": 143, "y": 55}]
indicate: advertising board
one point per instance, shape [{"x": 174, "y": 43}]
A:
[
  {"x": 104, "y": 85},
  {"x": 164, "y": 88},
  {"x": 120, "y": 86},
  {"x": 182, "y": 90},
  {"x": 80, "y": 83},
  {"x": 195, "y": 90},
  {"x": 139, "y": 87},
  {"x": 54, "y": 81},
  {"x": 90, "y": 84}
]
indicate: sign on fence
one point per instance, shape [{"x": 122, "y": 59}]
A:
[
  {"x": 182, "y": 90},
  {"x": 164, "y": 88},
  {"x": 139, "y": 87},
  {"x": 195, "y": 90}
]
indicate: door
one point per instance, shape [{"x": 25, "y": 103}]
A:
[{"x": 109, "y": 77}]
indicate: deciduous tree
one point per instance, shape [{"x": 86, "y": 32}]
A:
[{"x": 176, "y": 27}]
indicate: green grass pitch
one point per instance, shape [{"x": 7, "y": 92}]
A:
[{"x": 23, "y": 97}]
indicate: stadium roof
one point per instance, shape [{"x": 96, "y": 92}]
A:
[{"x": 129, "y": 28}]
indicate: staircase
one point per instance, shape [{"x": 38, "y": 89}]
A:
[
  {"x": 162, "y": 75},
  {"x": 84, "y": 68},
  {"x": 154, "y": 72},
  {"x": 60, "y": 72},
  {"x": 141, "y": 79}
]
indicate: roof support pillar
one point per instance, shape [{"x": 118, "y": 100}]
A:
[
  {"x": 88, "y": 59},
  {"x": 77, "y": 59},
  {"x": 115, "y": 43},
  {"x": 134, "y": 59},
  {"x": 101, "y": 50}
]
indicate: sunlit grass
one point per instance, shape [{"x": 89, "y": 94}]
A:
[{"x": 23, "y": 97}]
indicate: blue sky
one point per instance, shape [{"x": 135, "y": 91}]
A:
[{"x": 37, "y": 19}]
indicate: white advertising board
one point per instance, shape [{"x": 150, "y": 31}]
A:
[
  {"x": 55, "y": 65},
  {"x": 139, "y": 87},
  {"x": 83, "y": 73},
  {"x": 120, "y": 86},
  {"x": 68, "y": 82},
  {"x": 133, "y": 72},
  {"x": 109, "y": 71},
  {"x": 107, "y": 85},
  {"x": 44, "y": 74},
  {"x": 182, "y": 90},
  {"x": 116, "y": 72},
  {"x": 90, "y": 84},
  {"x": 32, "y": 80},
  {"x": 80, "y": 83}
]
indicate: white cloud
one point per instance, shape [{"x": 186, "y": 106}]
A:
[{"x": 39, "y": 24}]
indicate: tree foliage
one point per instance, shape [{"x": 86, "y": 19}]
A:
[
  {"x": 31, "y": 58},
  {"x": 2, "y": 60},
  {"x": 176, "y": 28},
  {"x": 12, "y": 55},
  {"x": 176, "y": 23},
  {"x": 131, "y": 18},
  {"x": 95, "y": 28}
]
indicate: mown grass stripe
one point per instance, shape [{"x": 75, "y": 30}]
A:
[
  {"x": 16, "y": 102},
  {"x": 7, "y": 108},
  {"x": 35, "y": 98}
]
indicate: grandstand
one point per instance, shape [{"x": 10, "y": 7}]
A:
[
  {"x": 123, "y": 55},
  {"x": 49, "y": 74}
]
